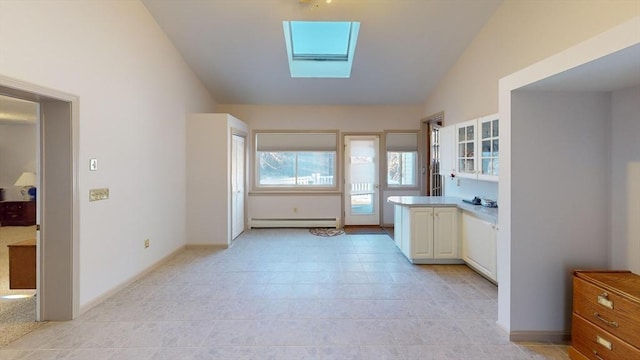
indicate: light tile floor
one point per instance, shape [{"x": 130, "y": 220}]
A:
[{"x": 286, "y": 294}]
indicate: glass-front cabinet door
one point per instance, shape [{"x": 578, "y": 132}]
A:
[
  {"x": 477, "y": 148},
  {"x": 489, "y": 147},
  {"x": 466, "y": 149}
]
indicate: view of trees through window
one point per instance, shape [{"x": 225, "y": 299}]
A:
[
  {"x": 297, "y": 168},
  {"x": 401, "y": 167}
]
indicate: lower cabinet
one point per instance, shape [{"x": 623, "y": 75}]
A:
[
  {"x": 427, "y": 235},
  {"x": 479, "y": 250}
]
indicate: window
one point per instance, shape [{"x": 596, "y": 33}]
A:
[
  {"x": 402, "y": 159},
  {"x": 296, "y": 160},
  {"x": 320, "y": 49}
]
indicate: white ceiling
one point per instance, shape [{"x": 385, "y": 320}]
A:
[
  {"x": 405, "y": 47},
  {"x": 619, "y": 70},
  {"x": 16, "y": 111}
]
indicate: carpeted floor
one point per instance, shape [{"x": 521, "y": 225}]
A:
[{"x": 17, "y": 316}]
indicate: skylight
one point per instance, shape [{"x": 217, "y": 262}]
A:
[{"x": 320, "y": 49}]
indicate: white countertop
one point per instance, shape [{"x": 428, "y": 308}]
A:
[{"x": 482, "y": 212}]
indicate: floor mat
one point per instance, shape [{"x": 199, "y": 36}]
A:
[
  {"x": 364, "y": 229},
  {"x": 327, "y": 232}
]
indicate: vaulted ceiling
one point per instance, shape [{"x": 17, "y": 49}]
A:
[{"x": 237, "y": 47}]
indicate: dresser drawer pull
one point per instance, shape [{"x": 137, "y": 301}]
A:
[
  {"x": 604, "y": 342},
  {"x": 595, "y": 353},
  {"x": 610, "y": 323},
  {"x": 604, "y": 301}
]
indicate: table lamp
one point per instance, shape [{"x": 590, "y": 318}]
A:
[{"x": 27, "y": 180}]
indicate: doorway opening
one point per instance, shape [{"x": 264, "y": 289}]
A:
[
  {"x": 57, "y": 238},
  {"x": 432, "y": 178}
]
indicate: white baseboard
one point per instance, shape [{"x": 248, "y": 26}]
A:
[{"x": 100, "y": 299}]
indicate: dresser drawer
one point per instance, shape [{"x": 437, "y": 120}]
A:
[
  {"x": 613, "y": 313},
  {"x": 596, "y": 344}
]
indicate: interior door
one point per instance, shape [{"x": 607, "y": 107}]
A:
[
  {"x": 237, "y": 185},
  {"x": 362, "y": 190}
]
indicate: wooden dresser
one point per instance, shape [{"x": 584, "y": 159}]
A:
[
  {"x": 17, "y": 213},
  {"x": 22, "y": 264},
  {"x": 606, "y": 315}
]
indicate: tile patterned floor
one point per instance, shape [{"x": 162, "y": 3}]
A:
[{"x": 286, "y": 294}]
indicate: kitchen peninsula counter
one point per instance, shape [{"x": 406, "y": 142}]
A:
[{"x": 481, "y": 212}]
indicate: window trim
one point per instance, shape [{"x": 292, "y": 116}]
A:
[{"x": 385, "y": 158}]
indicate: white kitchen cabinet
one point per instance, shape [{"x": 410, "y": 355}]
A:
[
  {"x": 479, "y": 249},
  {"x": 427, "y": 235},
  {"x": 477, "y": 148}
]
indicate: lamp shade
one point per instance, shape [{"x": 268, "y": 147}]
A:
[{"x": 26, "y": 179}]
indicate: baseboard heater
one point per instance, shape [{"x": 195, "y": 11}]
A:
[{"x": 294, "y": 223}]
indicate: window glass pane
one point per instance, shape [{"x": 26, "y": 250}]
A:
[
  {"x": 320, "y": 38},
  {"x": 470, "y": 149},
  {"x": 495, "y": 147},
  {"x": 495, "y": 128},
  {"x": 401, "y": 168},
  {"x": 296, "y": 168},
  {"x": 470, "y": 135},
  {"x": 461, "y": 134}
]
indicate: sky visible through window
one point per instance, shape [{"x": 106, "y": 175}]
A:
[{"x": 320, "y": 49}]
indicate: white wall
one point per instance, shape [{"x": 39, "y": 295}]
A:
[
  {"x": 559, "y": 201},
  {"x": 369, "y": 119},
  {"x": 519, "y": 34},
  {"x": 135, "y": 90},
  {"x": 625, "y": 179},
  {"x": 208, "y": 177},
  {"x": 17, "y": 155}
]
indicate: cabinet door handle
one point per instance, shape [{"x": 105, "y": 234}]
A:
[
  {"x": 595, "y": 353},
  {"x": 608, "y": 322}
]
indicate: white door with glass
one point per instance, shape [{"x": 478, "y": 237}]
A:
[
  {"x": 237, "y": 186},
  {"x": 361, "y": 186}
]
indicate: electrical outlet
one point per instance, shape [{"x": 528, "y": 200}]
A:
[
  {"x": 98, "y": 194},
  {"x": 146, "y": 243}
]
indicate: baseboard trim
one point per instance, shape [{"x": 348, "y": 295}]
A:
[
  {"x": 100, "y": 299},
  {"x": 207, "y": 246},
  {"x": 540, "y": 336}
]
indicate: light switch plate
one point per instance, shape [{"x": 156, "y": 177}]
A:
[
  {"x": 93, "y": 164},
  {"x": 98, "y": 194}
]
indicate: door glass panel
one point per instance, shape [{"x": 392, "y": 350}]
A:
[
  {"x": 486, "y": 148},
  {"x": 494, "y": 166},
  {"x": 362, "y": 177},
  {"x": 461, "y": 134},
  {"x": 470, "y": 133},
  {"x": 486, "y": 130},
  {"x": 469, "y": 166},
  {"x": 495, "y": 128},
  {"x": 461, "y": 166},
  {"x": 470, "y": 150},
  {"x": 485, "y": 166},
  {"x": 495, "y": 147},
  {"x": 461, "y": 150}
]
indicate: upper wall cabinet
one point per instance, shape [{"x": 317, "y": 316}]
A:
[{"x": 477, "y": 148}]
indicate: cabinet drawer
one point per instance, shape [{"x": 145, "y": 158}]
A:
[
  {"x": 597, "y": 344},
  {"x": 612, "y": 312}
]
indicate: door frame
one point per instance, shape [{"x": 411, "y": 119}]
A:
[
  {"x": 243, "y": 135},
  {"x": 343, "y": 169},
  {"x": 57, "y": 255}
]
